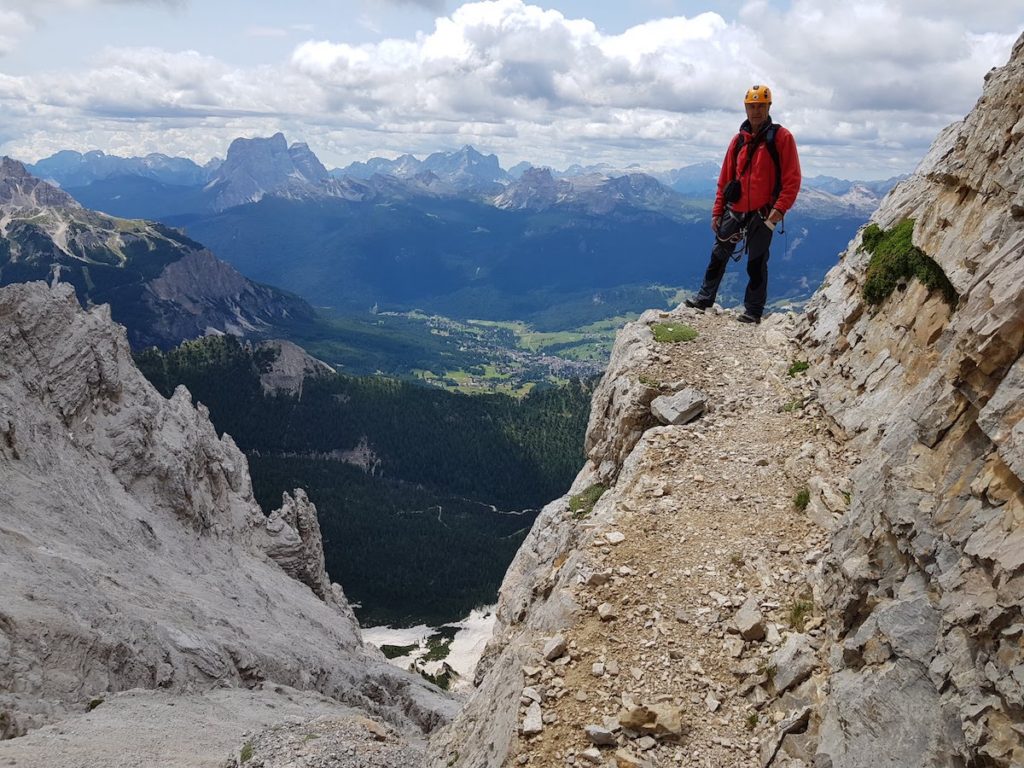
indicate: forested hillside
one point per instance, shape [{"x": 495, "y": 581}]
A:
[{"x": 422, "y": 532}]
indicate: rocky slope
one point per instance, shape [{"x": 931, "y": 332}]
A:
[
  {"x": 134, "y": 555},
  {"x": 924, "y": 587}
]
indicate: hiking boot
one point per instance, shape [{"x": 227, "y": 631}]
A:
[
  {"x": 746, "y": 317},
  {"x": 700, "y": 306}
]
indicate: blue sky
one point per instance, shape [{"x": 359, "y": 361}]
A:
[{"x": 656, "y": 83}]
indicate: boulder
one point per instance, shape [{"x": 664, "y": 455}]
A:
[
  {"x": 793, "y": 662},
  {"x": 680, "y": 408}
]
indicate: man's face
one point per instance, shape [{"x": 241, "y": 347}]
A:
[{"x": 757, "y": 112}]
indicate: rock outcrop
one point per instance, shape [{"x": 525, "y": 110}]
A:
[
  {"x": 925, "y": 583},
  {"x": 134, "y": 554},
  {"x": 290, "y": 368}
]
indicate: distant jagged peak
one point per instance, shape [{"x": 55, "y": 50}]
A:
[
  {"x": 261, "y": 166},
  {"x": 466, "y": 165},
  {"x": 536, "y": 189},
  {"x": 20, "y": 190},
  {"x": 276, "y": 147},
  {"x": 276, "y": 142}
]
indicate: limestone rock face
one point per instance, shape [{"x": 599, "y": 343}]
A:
[
  {"x": 290, "y": 368},
  {"x": 620, "y": 408},
  {"x": 199, "y": 294},
  {"x": 134, "y": 554},
  {"x": 925, "y": 584},
  {"x": 294, "y": 543},
  {"x": 21, "y": 189},
  {"x": 257, "y": 167}
]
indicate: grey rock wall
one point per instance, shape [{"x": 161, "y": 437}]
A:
[
  {"x": 925, "y": 581},
  {"x": 132, "y": 552}
]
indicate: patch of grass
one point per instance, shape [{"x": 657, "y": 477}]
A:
[
  {"x": 895, "y": 259},
  {"x": 394, "y": 651},
  {"x": 673, "y": 332},
  {"x": 798, "y": 366},
  {"x": 798, "y": 614},
  {"x": 752, "y": 721},
  {"x": 94, "y": 703},
  {"x": 647, "y": 381},
  {"x": 792, "y": 405},
  {"x": 802, "y": 499},
  {"x": 768, "y": 670},
  {"x": 311, "y": 736},
  {"x": 582, "y": 504},
  {"x": 246, "y": 754},
  {"x": 443, "y": 679}
]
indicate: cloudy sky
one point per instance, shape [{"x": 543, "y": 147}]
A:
[{"x": 864, "y": 86}]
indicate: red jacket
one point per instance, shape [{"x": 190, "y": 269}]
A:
[{"x": 758, "y": 182}]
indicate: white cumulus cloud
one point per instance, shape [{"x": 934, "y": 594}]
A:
[{"x": 864, "y": 86}]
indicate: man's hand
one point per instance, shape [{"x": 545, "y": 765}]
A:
[
  {"x": 774, "y": 216},
  {"x": 715, "y": 221}
]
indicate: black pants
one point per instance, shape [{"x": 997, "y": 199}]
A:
[{"x": 759, "y": 239}]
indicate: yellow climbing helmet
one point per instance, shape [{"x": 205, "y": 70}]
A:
[{"x": 758, "y": 94}]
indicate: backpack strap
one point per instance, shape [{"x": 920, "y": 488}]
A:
[
  {"x": 774, "y": 152},
  {"x": 769, "y": 140}
]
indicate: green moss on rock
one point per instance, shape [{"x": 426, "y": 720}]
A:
[{"x": 895, "y": 259}]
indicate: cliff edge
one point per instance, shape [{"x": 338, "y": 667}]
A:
[{"x": 135, "y": 557}]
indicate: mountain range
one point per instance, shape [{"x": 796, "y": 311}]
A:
[
  {"x": 257, "y": 167},
  {"x": 457, "y": 235},
  {"x": 161, "y": 285}
]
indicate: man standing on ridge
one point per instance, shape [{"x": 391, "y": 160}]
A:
[{"x": 759, "y": 182}]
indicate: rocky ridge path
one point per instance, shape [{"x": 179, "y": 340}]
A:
[{"x": 698, "y": 608}]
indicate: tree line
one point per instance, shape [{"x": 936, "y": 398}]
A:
[{"x": 417, "y": 540}]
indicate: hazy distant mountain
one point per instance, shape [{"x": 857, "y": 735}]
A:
[
  {"x": 73, "y": 169},
  {"x": 693, "y": 180},
  {"x": 403, "y": 167},
  {"x": 517, "y": 170},
  {"x": 856, "y": 200},
  {"x": 464, "y": 169},
  {"x": 161, "y": 285},
  {"x": 455, "y": 233},
  {"x": 157, "y": 185},
  {"x": 538, "y": 189},
  {"x": 258, "y": 167},
  {"x": 841, "y": 187}
]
